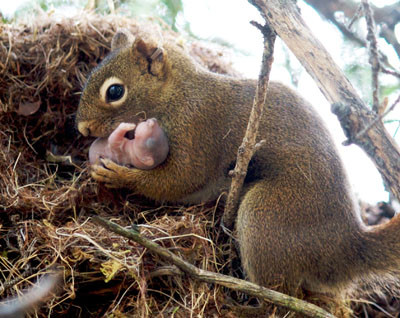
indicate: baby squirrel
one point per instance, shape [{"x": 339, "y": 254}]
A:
[
  {"x": 298, "y": 226},
  {"x": 146, "y": 150}
]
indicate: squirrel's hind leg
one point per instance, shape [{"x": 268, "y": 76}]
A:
[{"x": 273, "y": 249}]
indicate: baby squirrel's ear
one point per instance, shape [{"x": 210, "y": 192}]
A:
[
  {"x": 152, "y": 52},
  {"x": 122, "y": 38}
]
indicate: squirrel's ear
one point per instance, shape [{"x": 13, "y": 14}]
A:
[
  {"x": 122, "y": 38},
  {"x": 152, "y": 52}
]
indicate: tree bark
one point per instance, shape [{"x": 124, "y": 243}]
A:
[{"x": 354, "y": 116}]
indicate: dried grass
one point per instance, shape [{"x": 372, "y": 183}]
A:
[{"x": 47, "y": 197}]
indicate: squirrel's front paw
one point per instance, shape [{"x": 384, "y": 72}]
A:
[{"x": 110, "y": 173}]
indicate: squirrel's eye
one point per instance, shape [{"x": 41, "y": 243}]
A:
[{"x": 114, "y": 92}]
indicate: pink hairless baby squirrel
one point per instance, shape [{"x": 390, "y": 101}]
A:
[{"x": 147, "y": 150}]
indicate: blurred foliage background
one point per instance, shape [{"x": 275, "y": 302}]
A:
[{"x": 167, "y": 10}]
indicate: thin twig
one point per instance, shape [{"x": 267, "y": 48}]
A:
[
  {"x": 390, "y": 72},
  {"x": 374, "y": 122},
  {"x": 387, "y": 32},
  {"x": 247, "y": 148},
  {"x": 373, "y": 54},
  {"x": 355, "y": 17},
  {"x": 266, "y": 294}
]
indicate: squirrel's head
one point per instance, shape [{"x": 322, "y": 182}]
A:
[{"x": 125, "y": 86}]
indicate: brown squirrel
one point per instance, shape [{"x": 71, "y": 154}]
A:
[{"x": 298, "y": 226}]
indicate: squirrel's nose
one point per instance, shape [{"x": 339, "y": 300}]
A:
[{"x": 83, "y": 128}]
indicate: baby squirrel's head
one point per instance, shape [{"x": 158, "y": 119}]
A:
[{"x": 125, "y": 87}]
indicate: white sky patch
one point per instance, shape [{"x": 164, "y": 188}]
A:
[{"x": 7, "y": 8}]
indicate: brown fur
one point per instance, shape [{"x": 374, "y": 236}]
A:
[{"x": 298, "y": 226}]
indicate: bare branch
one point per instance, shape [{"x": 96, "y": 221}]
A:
[
  {"x": 377, "y": 119},
  {"x": 373, "y": 54},
  {"x": 391, "y": 72},
  {"x": 355, "y": 17},
  {"x": 266, "y": 294},
  {"x": 248, "y": 146},
  {"x": 388, "y": 34}
]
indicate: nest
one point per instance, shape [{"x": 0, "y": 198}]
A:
[{"x": 47, "y": 196}]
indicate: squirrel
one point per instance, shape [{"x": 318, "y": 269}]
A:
[{"x": 298, "y": 226}]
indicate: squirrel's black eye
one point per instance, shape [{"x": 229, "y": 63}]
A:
[{"x": 114, "y": 92}]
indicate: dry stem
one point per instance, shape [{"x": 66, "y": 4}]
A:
[
  {"x": 355, "y": 17},
  {"x": 277, "y": 298},
  {"x": 373, "y": 54},
  {"x": 248, "y": 146},
  {"x": 377, "y": 119}
]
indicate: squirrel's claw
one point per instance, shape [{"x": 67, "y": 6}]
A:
[{"x": 109, "y": 172}]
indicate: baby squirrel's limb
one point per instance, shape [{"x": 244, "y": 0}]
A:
[{"x": 117, "y": 143}]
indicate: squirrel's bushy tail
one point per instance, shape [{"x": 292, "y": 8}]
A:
[{"x": 382, "y": 247}]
